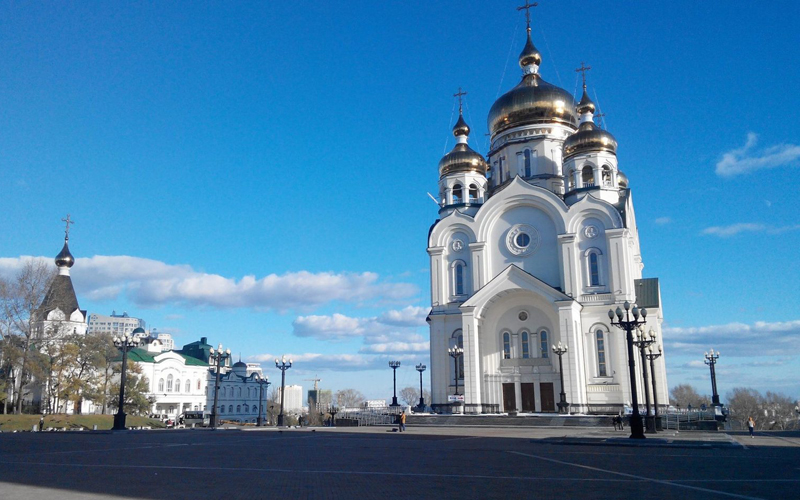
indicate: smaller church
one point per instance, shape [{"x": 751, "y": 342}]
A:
[{"x": 533, "y": 245}]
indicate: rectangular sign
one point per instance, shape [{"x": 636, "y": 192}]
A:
[{"x": 454, "y": 397}]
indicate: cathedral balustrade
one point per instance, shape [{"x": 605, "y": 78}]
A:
[
  {"x": 603, "y": 388},
  {"x": 597, "y": 297}
]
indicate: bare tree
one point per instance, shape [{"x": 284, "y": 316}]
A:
[
  {"x": 349, "y": 398},
  {"x": 684, "y": 396},
  {"x": 744, "y": 403},
  {"x": 410, "y": 395}
]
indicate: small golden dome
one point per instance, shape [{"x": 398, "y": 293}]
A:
[
  {"x": 462, "y": 158},
  {"x": 588, "y": 138},
  {"x": 622, "y": 179},
  {"x": 461, "y": 127},
  {"x": 533, "y": 100},
  {"x": 586, "y": 105},
  {"x": 530, "y": 54}
]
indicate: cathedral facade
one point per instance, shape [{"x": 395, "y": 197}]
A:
[{"x": 534, "y": 244}]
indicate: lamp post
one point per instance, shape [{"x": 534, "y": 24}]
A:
[
  {"x": 263, "y": 383},
  {"x": 624, "y": 322},
  {"x": 560, "y": 350},
  {"x": 124, "y": 343},
  {"x": 333, "y": 411},
  {"x": 644, "y": 340},
  {"x": 456, "y": 352},
  {"x": 218, "y": 358},
  {"x": 420, "y": 369},
  {"x": 394, "y": 365},
  {"x": 711, "y": 360},
  {"x": 652, "y": 356},
  {"x": 282, "y": 365}
]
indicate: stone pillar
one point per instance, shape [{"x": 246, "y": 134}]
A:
[{"x": 472, "y": 360}]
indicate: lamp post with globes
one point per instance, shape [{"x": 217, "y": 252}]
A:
[
  {"x": 711, "y": 360},
  {"x": 420, "y": 369},
  {"x": 560, "y": 350},
  {"x": 394, "y": 365},
  {"x": 456, "y": 352},
  {"x": 624, "y": 322},
  {"x": 218, "y": 358},
  {"x": 124, "y": 343},
  {"x": 652, "y": 356},
  {"x": 643, "y": 340},
  {"x": 282, "y": 365},
  {"x": 263, "y": 385}
]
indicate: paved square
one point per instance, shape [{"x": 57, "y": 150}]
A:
[{"x": 377, "y": 463}]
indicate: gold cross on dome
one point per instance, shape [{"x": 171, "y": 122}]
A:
[
  {"x": 459, "y": 95},
  {"x": 527, "y": 8},
  {"x": 583, "y": 69},
  {"x": 68, "y": 221}
]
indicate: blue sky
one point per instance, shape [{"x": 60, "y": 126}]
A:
[{"x": 257, "y": 172}]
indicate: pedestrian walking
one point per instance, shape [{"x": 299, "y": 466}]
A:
[
  {"x": 402, "y": 421},
  {"x": 751, "y": 426}
]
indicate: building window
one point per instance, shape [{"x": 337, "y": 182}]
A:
[
  {"x": 527, "y": 162},
  {"x": 222, "y": 409},
  {"x": 587, "y": 176},
  {"x": 230, "y": 408},
  {"x": 169, "y": 383},
  {"x": 594, "y": 271},
  {"x": 601, "y": 354},
  {"x": 198, "y": 384},
  {"x": 457, "y": 339},
  {"x": 473, "y": 193},
  {"x": 459, "y": 271},
  {"x": 239, "y": 392},
  {"x": 188, "y": 386},
  {"x": 458, "y": 195},
  {"x": 506, "y": 345},
  {"x": 238, "y": 408},
  {"x": 526, "y": 353},
  {"x": 178, "y": 385},
  {"x": 246, "y": 409},
  {"x": 161, "y": 385},
  {"x": 543, "y": 340},
  {"x": 224, "y": 391}
]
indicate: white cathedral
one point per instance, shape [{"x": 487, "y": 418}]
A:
[{"x": 533, "y": 245}]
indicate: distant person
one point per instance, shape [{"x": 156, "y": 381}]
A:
[
  {"x": 403, "y": 421},
  {"x": 41, "y": 424},
  {"x": 751, "y": 426},
  {"x": 621, "y": 422}
]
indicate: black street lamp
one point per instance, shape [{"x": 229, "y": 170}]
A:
[
  {"x": 624, "y": 322},
  {"x": 218, "y": 358},
  {"x": 711, "y": 360},
  {"x": 560, "y": 350},
  {"x": 282, "y": 365},
  {"x": 456, "y": 352},
  {"x": 652, "y": 356},
  {"x": 394, "y": 365},
  {"x": 643, "y": 341},
  {"x": 263, "y": 384},
  {"x": 124, "y": 343},
  {"x": 420, "y": 369},
  {"x": 333, "y": 411}
]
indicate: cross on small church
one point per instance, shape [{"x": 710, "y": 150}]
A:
[
  {"x": 68, "y": 221},
  {"x": 599, "y": 118},
  {"x": 583, "y": 69},
  {"x": 459, "y": 95},
  {"x": 527, "y": 8}
]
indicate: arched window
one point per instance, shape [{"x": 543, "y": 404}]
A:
[
  {"x": 178, "y": 385},
  {"x": 526, "y": 155},
  {"x": 571, "y": 180},
  {"x": 457, "y": 339},
  {"x": 246, "y": 409},
  {"x": 189, "y": 386},
  {"x": 161, "y": 385},
  {"x": 601, "y": 353},
  {"x": 587, "y": 176},
  {"x": 238, "y": 408},
  {"x": 238, "y": 392},
  {"x": 198, "y": 384},
  {"x": 230, "y": 408},
  {"x": 473, "y": 193},
  {"x": 543, "y": 340},
  {"x": 606, "y": 176},
  {"x": 506, "y": 345},
  {"x": 594, "y": 270},
  {"x": 222, "y": 409},
  {"x": 169, "y": 383},
  {"x": 224, "y": 391},
  {"x": 526, "y": 352},
  {"x": 459, "y": 276},
  {"x": 458, "y": 195}
]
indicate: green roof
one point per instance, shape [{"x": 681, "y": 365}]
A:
[{"x": 143, "y": 356}]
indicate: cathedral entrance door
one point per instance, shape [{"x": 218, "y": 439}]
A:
[
  {"x": 528, "y": 397},
  {"x": 509, "y": 398},
  {"x": 548, "y": 396}
]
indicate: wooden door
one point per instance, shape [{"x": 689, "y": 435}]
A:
[
  {"x": 509, "y": 398},
  {"x": 548, "y": 396},
  {"x": 528, "y": 397}
]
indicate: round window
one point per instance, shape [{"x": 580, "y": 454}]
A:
[
  {"x": 523, "y": 316},
  {"x": 523, "y": 240}
]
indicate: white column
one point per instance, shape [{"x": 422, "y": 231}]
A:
[
  {"x": 438, "y": 276},
  {"x": 570, "y": 275},
  {"x": 472, "y": 365},
  {"x": 479, "y": 265}
]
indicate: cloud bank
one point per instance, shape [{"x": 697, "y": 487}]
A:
[
  {"x": 737, "y": 339},
  {"x": 745, "y": 160},
  {"x": 151, "y": 283},
  {"x": 747, "y": 227}
]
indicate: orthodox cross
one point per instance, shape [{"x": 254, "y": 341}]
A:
[
  {"x": 459, "y": 95},
  {"x": 68, "y": 221},
  {"x": 527, "y": 8},
  {"x": 583, "y": 69},
  {"x": 599, "y": 118}
]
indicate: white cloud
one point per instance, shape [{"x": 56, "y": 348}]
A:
[
  {"x": 747, "y": 227},
  {"x": 744, "y": 160},
  {"x": 662, "y": 221},
  {"x": 149, "y": 283},
  {"x": 737, "y": 339}
]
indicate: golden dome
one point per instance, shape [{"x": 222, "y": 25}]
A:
[
  {"x": 533, "y": 100},
  {"x": 622, "y": 179},
  {"x": 588, "y": 138},
  {"x": 586, "y": 105},
  {"x": 461, "y": 127},
  {"x": 529, "y": 55},
  {"x": 462, "y": 158}
]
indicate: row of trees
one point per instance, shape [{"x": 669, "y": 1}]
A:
[{"x": 771, "y": 410}]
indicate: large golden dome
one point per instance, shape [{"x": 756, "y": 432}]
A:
[
  {"x": 532, "y": 101},
  {"x": 589, "y": 137}
]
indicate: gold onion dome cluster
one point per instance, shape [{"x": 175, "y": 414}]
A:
[
  {"x": 589, "y": 137},
  {"x": 533, "y": 100},
  {"x": 462, "y": 158}
]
